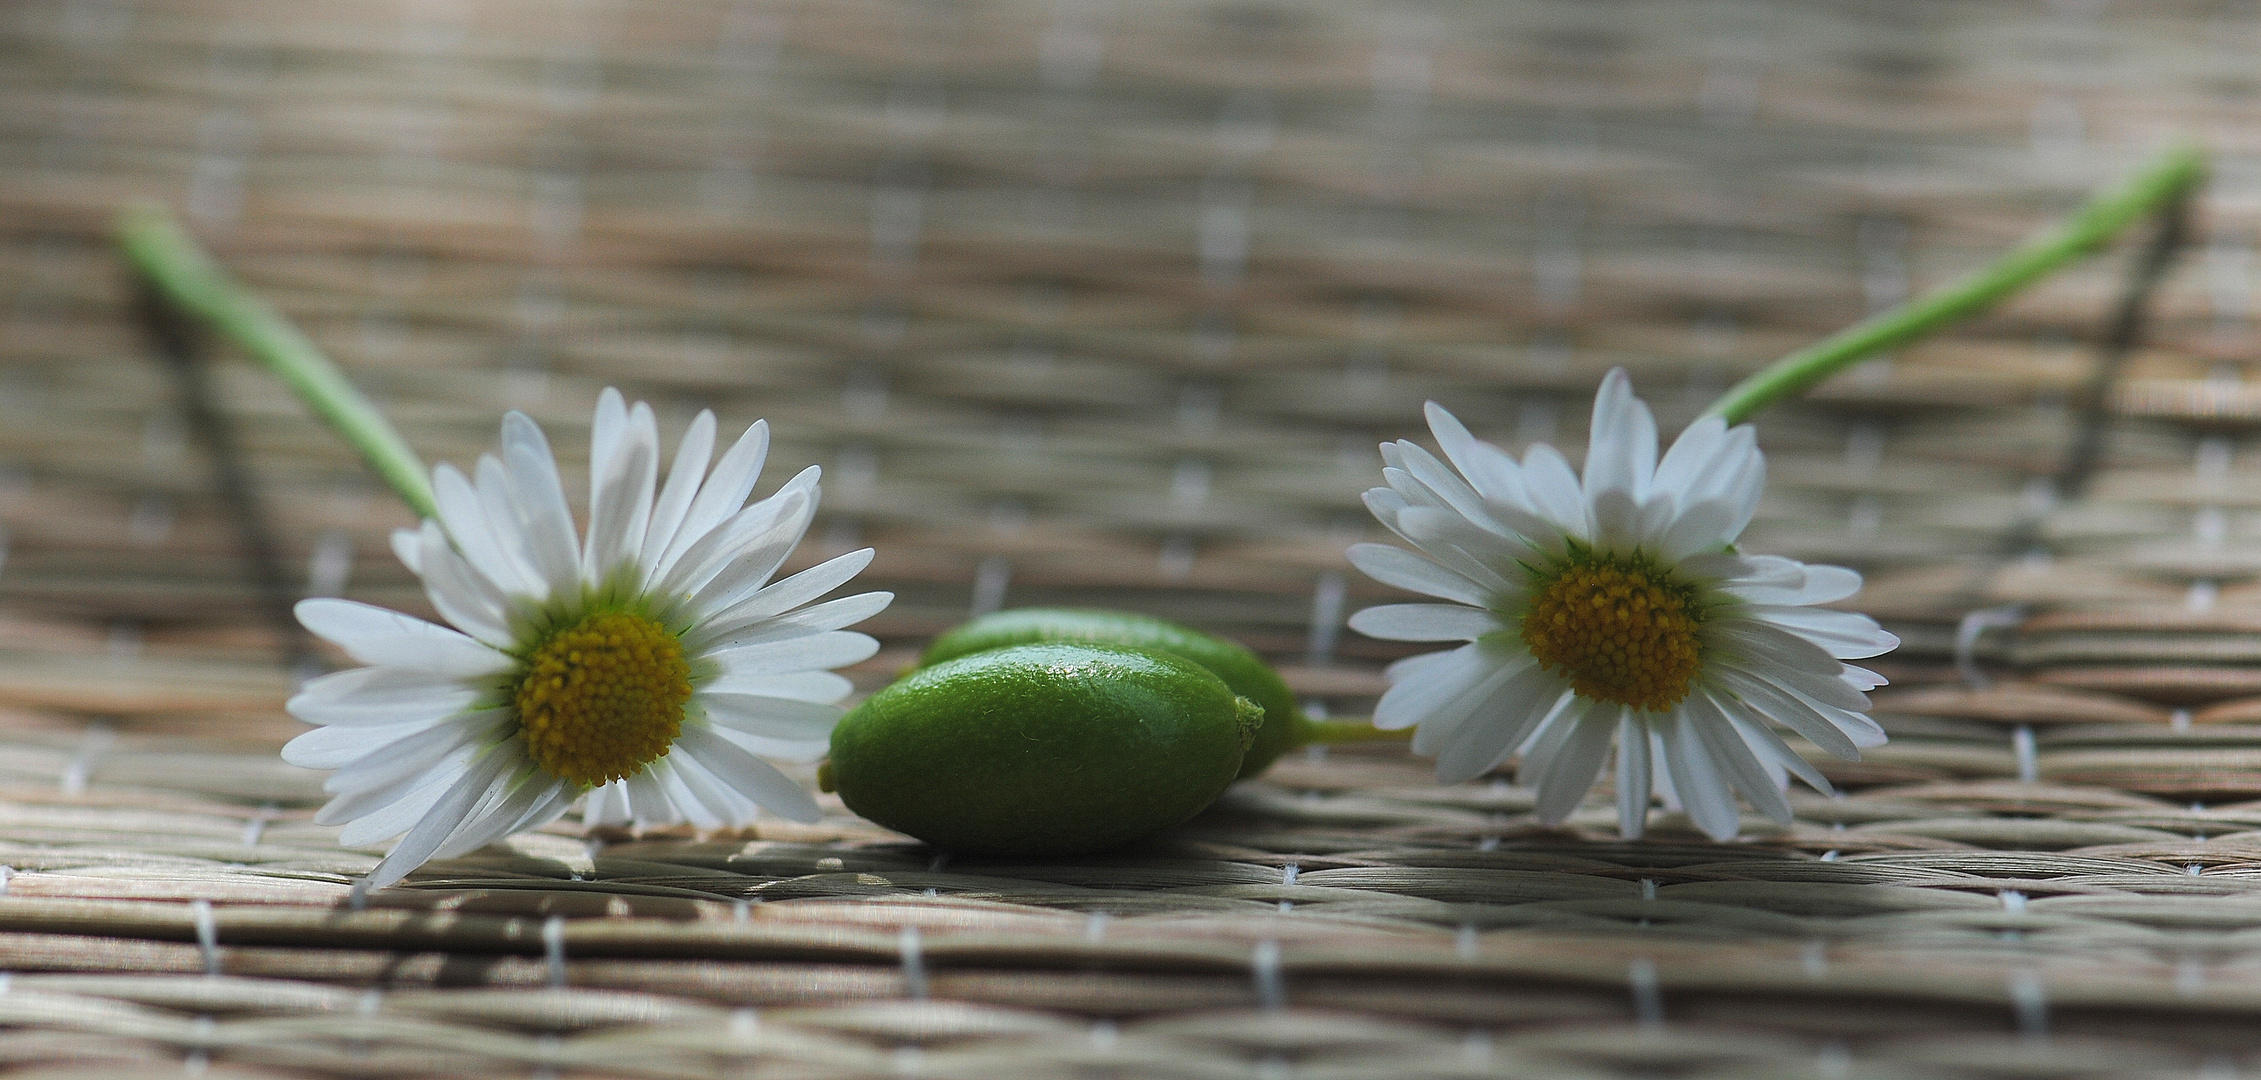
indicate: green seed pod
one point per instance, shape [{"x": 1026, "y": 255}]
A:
[
  {"x": 1036, "y": 750},
  {"x": 1248, "y": 675}
]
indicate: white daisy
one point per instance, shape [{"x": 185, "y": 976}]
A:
[
  {"x": 1613, "y": 607},
  {"x": 649, "y": 666}
]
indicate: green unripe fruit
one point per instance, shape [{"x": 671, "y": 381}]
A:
[
  {"x": 1038, "y": 750},
  {"x": 1248, "y": 675}
]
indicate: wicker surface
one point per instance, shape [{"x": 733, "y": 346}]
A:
[{"x": 1109, "y": 306}]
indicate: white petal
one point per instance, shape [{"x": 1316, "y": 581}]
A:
[
  {"x": 1468, "y": 550},
  {"x": 1692, "y": 457},
  {"x": 379, "y": 820},
  {"x": 1419, "y": 666},
  {"x": 1770, "y": 748},
  {"x": 1703, "y": 794},
  {"x": 1614, "y": 519},
  {"x": 392, "y": 771},
  {"x": 1458, "y": 496},
  {"x": 1501, "y": 720},
  {"x": 555, "y": 801},
  {"x": 1729, "y": 465},
  {"x": 1845, "y": 635},
  {"x": 374, "y": 635},
  {"x": 1743, "y": 490},
  {"x": 1441, "y": 700},
  {"x": 762, "y": 746},
  {"x": 442, "y": 820},
  {"x": 690, "y": 467},
  {"x": 1721, "y": 569},
  {"x": 1841, "y": 731},
  {"x": 757, "y": 559},
  {"x": 1737, "y": 459},
  {"x": 782, "y": 596},
  {"x": 822, "y": 687},
  {"x": 1808, "y": 719},
  {"x": 620, "y": 498},
  {"x": 721, "y": 497},
  {"x": 539, "y": 496},
  {"x": 771, "y": 718},
  {"x": 1425, "y": 622},
  {"x": 705, "y": 800},
  {"x": 1861, "y": 678},
  {"x": 1532, "y": 527},
  {"x": 1621, "y": 445},
  {"x": 724, "y": 786},
  {"x": 814, "y": 619},
  {"x": 750, "y": 776},
  {"x": 374, "y": 815},
  {"x": 1489, "y": 469},
  {"x": 1554, "y": 490},
  {"x": 532, "y": 800},
  {"x": 1832, "y": 690},
  {"x": 465, "y": 519},
  {"x": 1406, "y": 485},
  {"x": 1406, "y": 570},
  {"x": 378, "y": 695},
  {"x": 744, "y": 545},
  {"x": 1633, "y": 771},
  {"x": 605, "y": 429},
  {"x": 330, "y": 747},
  {"x": 649, "y": 804},
  {"x": 1568, "y": 773},
  {"x": 1757, "y": 643},
  {"x": 1660, "y": 776},
  {"x": 1420, "y": 685},
  {"x": 1698, "y": 528},
  {"x": 408, "y": 547},
  {"x": 508, "y": 520},
  {"x": 1386, "y": 505},
  {"x": 463, "y": 597},
  {"x": 1725, "y": 746},
  {"x": 836, "y": 648},
  {"x": 1655, "y": 517},
  {"x": 1459, "y": 710},
  {"x": 339, "y": 745},
  {"x": 1549, "y": 737},
  {"x": 606, "y": 805},
  {"x": 1786, "y": 581}
]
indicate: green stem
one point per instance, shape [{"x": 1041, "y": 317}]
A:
[
  {"x": 187, "y": 278},
  {"x": 2158, "y": 186},
  {"x": 1346, "y": 731}
]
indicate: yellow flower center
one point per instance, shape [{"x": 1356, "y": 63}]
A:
[
  {"x": 1619, "y": 631},
  {"x": 603, "y": 697}
]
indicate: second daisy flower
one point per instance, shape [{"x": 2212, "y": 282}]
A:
[{"x": 1613, "y": 607}]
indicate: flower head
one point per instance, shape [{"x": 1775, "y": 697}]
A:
[
  {"x": 647, "y": 666},
  {"x": 1613, "y": 606}
]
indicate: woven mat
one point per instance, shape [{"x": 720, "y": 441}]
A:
[{"x": 1109, "y": 305}]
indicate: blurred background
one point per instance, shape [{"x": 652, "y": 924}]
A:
[{"x": 1102, "y": 303}]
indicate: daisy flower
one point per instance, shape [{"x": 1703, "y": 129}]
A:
[
  {"x": 1613, "y": 606},
  {"x": 647, "y": 667}
]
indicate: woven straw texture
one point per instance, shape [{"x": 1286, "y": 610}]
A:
[{"x": 1109, "y": 305}]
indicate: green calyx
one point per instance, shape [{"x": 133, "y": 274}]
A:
[
  {"x": 1043, "y": 750},
  {"x": 1283, "y": 728}
]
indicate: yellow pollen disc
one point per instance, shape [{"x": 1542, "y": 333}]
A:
[
  {"x": 1618, "y": 632},
  {"x": 603, "y": 698}
]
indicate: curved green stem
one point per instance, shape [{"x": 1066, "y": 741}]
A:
[
  {"x": 1346, "y": 731},
  {"x": 2158, "y": 186},
  {"x": 187, "y": 278}
]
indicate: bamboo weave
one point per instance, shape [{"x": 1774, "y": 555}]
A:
[{"x": 1109, "y": 305}]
